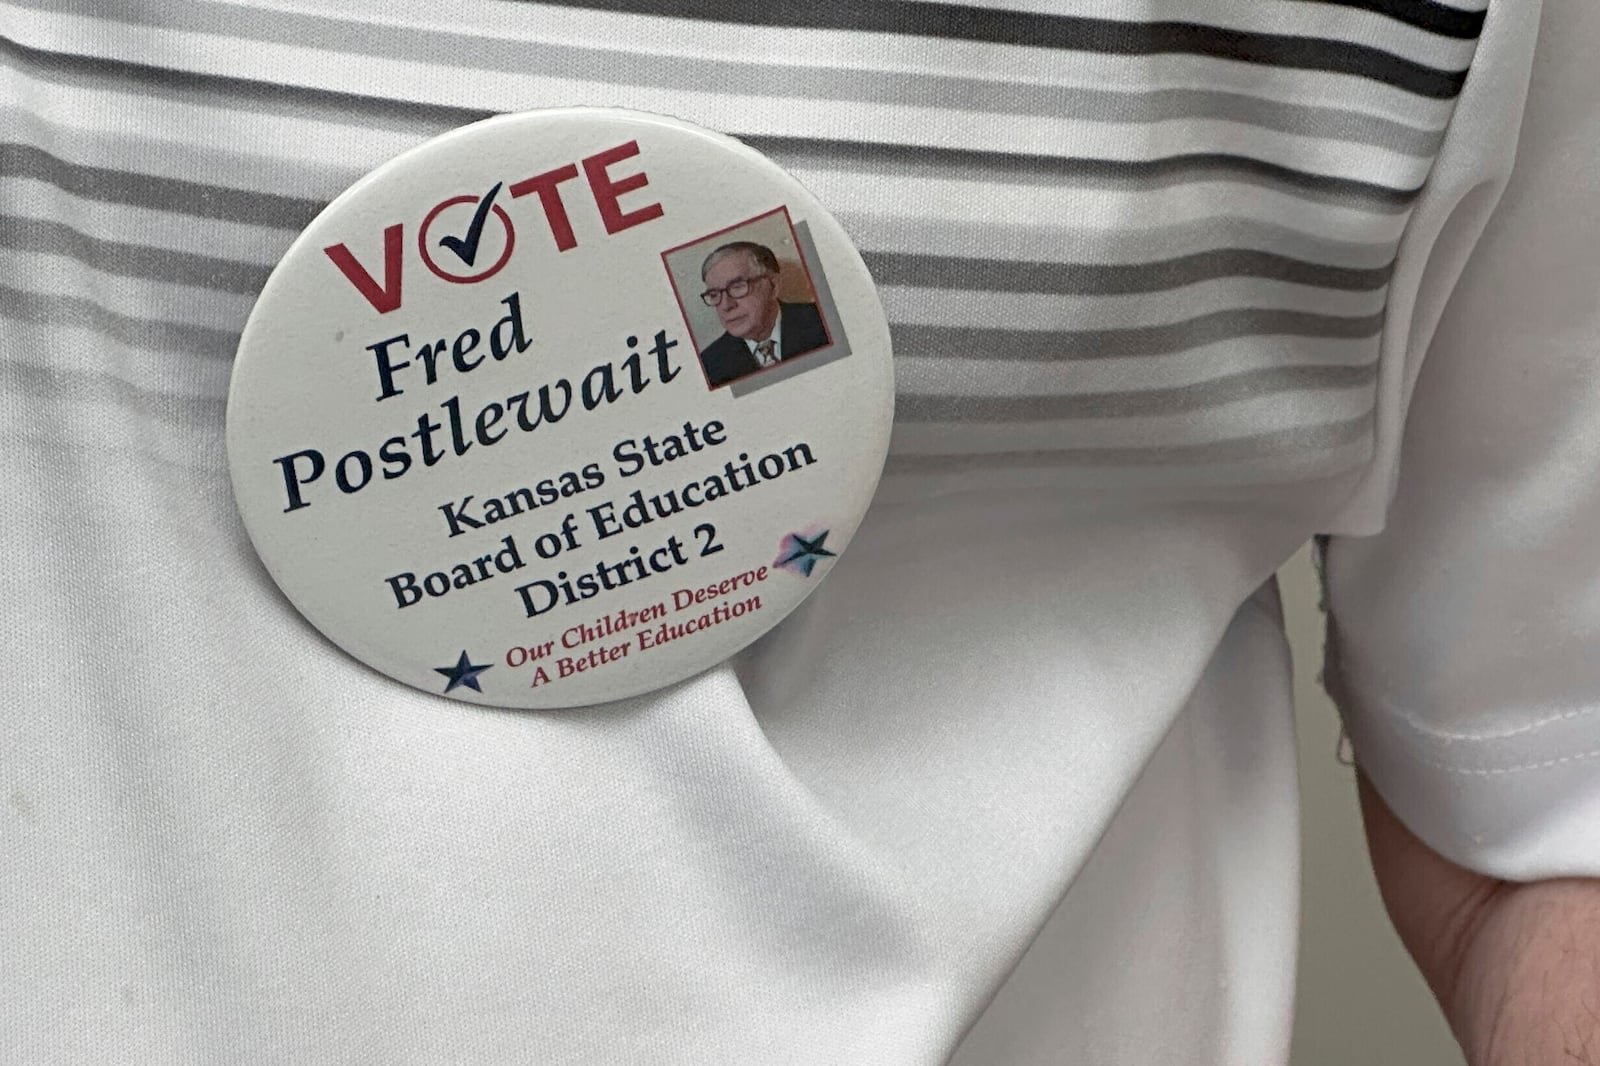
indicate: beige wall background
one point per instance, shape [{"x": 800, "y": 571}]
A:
[{"x": 1361, "y": 1001}]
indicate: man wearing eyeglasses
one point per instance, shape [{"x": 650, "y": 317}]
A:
[{"x": 741, "y": 280}]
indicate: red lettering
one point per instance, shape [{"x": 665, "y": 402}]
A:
[
  {"x": 608, "y": 192},
  {"x": 386, "y": 297},
  {"x": 555, "y": 212}
]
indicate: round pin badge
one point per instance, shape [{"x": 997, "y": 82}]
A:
[{"x": 560, "y": 408}]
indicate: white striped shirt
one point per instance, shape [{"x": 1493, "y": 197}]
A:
[{"x": 1016, "y": 787}]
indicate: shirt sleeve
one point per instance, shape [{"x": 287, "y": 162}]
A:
[{"x": 1464, "y": 638}]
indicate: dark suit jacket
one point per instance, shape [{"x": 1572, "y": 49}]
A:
[{"x": 728, "y": 357}]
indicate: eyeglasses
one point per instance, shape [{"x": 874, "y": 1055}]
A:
[{"x": 738, "y": 289}]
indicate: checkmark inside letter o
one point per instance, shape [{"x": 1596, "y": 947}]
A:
[{"x": 424, "y": 242}]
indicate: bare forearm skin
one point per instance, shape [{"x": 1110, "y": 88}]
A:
[
  {"x": 1529, "y": 987},
  {"x": 1515, "y": 967}
]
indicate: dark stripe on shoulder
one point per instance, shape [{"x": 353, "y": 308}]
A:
[
  {"x": 797, "y": 152},
  {"x": 1114, "y": 279},
  {"x": 1438, "y": 18},
  {"x": 222, "y": 90},
  {"x": 131, "y": 260},
  {"x": 161, "y": 194},
  {"x": 135, "y": 332},
  {"x": 1271, "y": 445},
  {"x": 986, "y": 93},
  {"x": 1133, "y": 403},
  {"x": 980, "y": 343},
  {"x": 790, "y": 151},
  {"x": 51, "y": 383},
  {"x": 1065, "y": 32}
]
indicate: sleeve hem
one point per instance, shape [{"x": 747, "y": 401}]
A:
[
  {"x": 1521, "y": 804},
  {"x": 1475, "y": 754}
]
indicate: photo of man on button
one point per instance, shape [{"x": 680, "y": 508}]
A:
[{"x": 741, "y": 279}]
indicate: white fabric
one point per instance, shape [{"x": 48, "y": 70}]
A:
[
  {"x": 1188, "y": 900},
  {"x": 1466, "y": 634},
  {"x": 1015, "y": 787}
]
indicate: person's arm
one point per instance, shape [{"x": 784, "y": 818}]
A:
[
  {"x": 1515, "y": 966},
  {"x": 1464, "y": 638}
]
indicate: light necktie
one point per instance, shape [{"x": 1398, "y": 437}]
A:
[{"x": 766, "y": 352}]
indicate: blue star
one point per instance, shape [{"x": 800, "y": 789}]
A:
[
  {"x": 462, "y": 673},
  {"x": 801, "y": 554}
]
